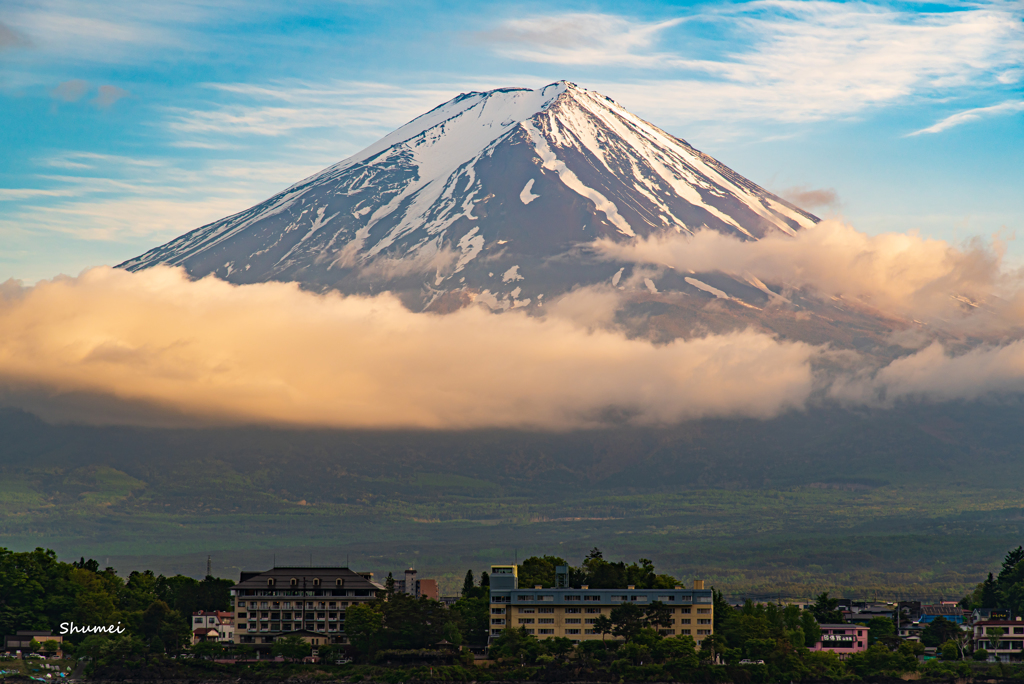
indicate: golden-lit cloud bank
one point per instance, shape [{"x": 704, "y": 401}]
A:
[
  {"x": 93, "y": 347},
  {"x": 902, "y": 274},
  {"x": 966, "y": 297}
]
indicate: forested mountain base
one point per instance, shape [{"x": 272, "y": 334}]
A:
[{"x": 914, "y": 502}]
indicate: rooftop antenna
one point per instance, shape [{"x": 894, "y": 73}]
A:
[{"x": 208, "y": 573}]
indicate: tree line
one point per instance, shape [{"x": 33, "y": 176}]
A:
[{"x": 39, "y": 592}]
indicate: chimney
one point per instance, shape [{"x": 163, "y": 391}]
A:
[
  {"x": 698, "y": 584},
  {"x": 587, "y": 586},
  {"x": 631, "y": 586},
  {"x": 538, "y": 586}
]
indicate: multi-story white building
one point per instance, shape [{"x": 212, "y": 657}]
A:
[
  {"x": 284, "y": 601},
  {"x": 571, "y": 613}
]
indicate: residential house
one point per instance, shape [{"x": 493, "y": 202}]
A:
[
  {"x": 1007, "y": 647},
  {"x": 213, "y": 625}
]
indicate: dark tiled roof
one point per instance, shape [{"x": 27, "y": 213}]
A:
[{"x": 282, "y": 578}]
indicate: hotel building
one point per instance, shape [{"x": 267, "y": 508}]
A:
[
  {"x": 567, "y": 612},
  {"x": 283, "y": 601}
]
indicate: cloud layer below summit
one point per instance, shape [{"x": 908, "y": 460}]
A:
[{"x": 157, "y": 348}]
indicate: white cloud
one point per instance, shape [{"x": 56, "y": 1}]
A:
[
  {"x": 899, "y": 274},
  {"x": 580, "y": 38},
  {"x": 1009, "y": 107},
  {"x": 207, "y": 351},
  {"x": 806, "y": 61}
]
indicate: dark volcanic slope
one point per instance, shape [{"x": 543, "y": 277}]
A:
[{"x": 492, "y": 195}]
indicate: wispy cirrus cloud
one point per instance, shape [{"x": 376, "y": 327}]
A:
[
  {"x": 580, "y": 38},
  {"x": 803, "y": 61},
  {"x": 976, "y": 114}
]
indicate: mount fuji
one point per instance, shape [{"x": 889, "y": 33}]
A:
[{"x": 494, "y": 198}]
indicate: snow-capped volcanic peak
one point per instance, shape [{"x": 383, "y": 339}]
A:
[{"x": 507, "y": 181}]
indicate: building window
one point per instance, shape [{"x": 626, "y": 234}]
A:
[
  {"x": 264, "y": 605},
  {"x": 497, "y": 611},
  {"x": 572, "y": 621},
  {"x": 590, "y": 631},
  {"x": 685, "y": 610},
  {"x": 703, "y": 611},
  {"x": 572, "y": 631},
  {"x": 527, "y": 610},
  {"x": 339, "y": 582},
  {"x": 572, "y": 610},
  {"x": 545, "y": 610},
  {"x": 545, "y": 621},
  {"x": 526, "y": 621},
  {"x": 495, "y": 632},
  {"x": 684, "y": 621},
  {"x": 316, "y": 581},
  {"x": 529, "y": 631},
  {"x": 703, "y": 622},
  {"x": 590, "y": 621},
  {"x": 684, "y": 631},
  {"x": 497, "y": 621},
  {"x": 573, "y": 598},
  {"x": 703, "y": 631},
  {"x": 591, "y": 598},
  {"x": 270, "y": 582},
  {"x": 619, "y": 598},
  {"x": 638, "y": 599},
  {"x": 241, "y": 616},
  {"x": 593, "y": 610}
]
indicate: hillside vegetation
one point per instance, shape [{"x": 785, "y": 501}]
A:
[{"x": 917, "y": 501}]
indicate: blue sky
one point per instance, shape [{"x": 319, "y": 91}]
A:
[{"x": 124, "y": 124}]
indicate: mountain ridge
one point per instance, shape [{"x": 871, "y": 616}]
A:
[{"x": 477, "y": 196}]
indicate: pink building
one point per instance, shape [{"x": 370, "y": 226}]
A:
[{"x": 843, "y": 639}]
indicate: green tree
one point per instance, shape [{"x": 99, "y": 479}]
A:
[
  {"x": 939, "y": 631},
  {"x": 364, "y": 626},
  {"x": 473, "y": 616},
  {"x": 989, "y": 593},
  {"x": 826, "y": 610},
  {"x": 207, "y": 649},
  {"x": 993, "y": 635},
  {"x": 450, "y": 632},
  {"x": 51, "y": 646},
  {"x": 603, "y": 625},
  {"x": 949, "y": 651},
  {"x": 291, "y": 647},
  {"x": 515, "y": 643},
  {"x": 467, "y": 584},
  {"x": 627, "y": 620},
  {"x": 980, "y": 654},
  {"x": 658, "y": 614},
  {"x": 539, "y": 570},
  {"x": 879, "y": 628}
]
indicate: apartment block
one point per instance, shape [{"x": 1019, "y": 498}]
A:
[
  {"x": 284, "y": 601},
  {"x": 571, "y": 612}
]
